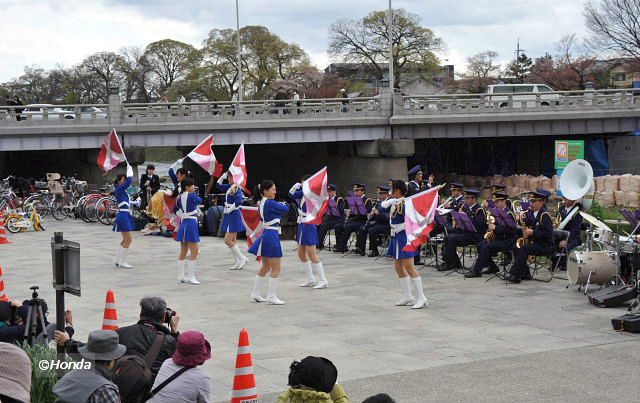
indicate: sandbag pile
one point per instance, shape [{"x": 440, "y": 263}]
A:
[{"x": 618, "y": 190}]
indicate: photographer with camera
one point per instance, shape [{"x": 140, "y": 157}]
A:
[{"x": 11, "y": 326}]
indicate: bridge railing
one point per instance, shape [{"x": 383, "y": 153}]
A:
[
  {"x": 189, "y": 111},
  {"x": 616, "y": 99}
]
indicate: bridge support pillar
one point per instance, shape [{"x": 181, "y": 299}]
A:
[{"x": 115, "y": 106}]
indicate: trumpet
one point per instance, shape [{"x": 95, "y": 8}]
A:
[
  {"x": 490, "y": 235},
  {"x": 445, "y": 202}
]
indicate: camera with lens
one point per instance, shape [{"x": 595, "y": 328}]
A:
[{"x": 170, "y": 313}]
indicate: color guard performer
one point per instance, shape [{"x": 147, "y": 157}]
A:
[
  {"x": 177, "y": 177},
  {"x": 378, "y": 224},
  {"x": 501, "y": 240},
  {"x": 124, "y": 222},
  {"x": 537, "y": 238},
  {"x": 232, "y": 221},
  {"x": 465, "y": 238},
  {"x": 405, "y": 269},
  {"x": 307, "y": 237},
  {"x": 333, "y": 217},
  {"x": 267, "y": 246},
  {"x": 354, "y": 221},
  {"x": 188, "y": 233}
]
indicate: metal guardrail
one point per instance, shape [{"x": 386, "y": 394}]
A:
[{"x": 601, "y": 100}]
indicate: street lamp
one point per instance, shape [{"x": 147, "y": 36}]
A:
[
  {"x": 390, "y": 26},
  {"x": 239, "y": 56}
]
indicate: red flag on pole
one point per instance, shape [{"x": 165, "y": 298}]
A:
[
  {"x": 252, "y": 223},
  {"x": 315, "y": 197},
  {"x": 419, "y": 213},
  {"x": 203, "y": 155},
  {"x": 111, "y": 153},
  {"x": 238, "y": 169}
]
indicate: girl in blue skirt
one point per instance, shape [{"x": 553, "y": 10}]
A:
[
  {"x": 188, "y": 234},
  {"x": 124, "y": 223},
  {"x": 307, "y": 238},
  {"x": 232, "y": 222},
  {"x": 403, "y": 260},
  {"x": 267, "y": 246}
]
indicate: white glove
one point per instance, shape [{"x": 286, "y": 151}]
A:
[
  {"x": 225, "y": 175},
  {"x": 390, "y": 202},
  {"x": 222, "y": 178},
  {"x": 175, "y": 164},
  {"x": 295, "y": 187},
  {"x": 129, "y": 171}
]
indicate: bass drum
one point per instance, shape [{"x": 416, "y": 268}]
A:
[{"x": 601, "y": 264}]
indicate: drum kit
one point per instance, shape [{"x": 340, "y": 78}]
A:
[{"x": 599, "y": 262}]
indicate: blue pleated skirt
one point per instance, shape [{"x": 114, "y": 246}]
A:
[
  {"x": 232, "y": 222},
  {"x": 267, "y": 245},
  {"x": 307, "y": 235},
  {"x": 124, "y": 222},
  {"x": 188, "y": 231},
  {"x": 399, "y": 241}
]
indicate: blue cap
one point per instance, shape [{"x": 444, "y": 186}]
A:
[
  {"x": 500, "y": 196},
  {"x": 538, "y": 195},
  {"x": 332, "y": 187},
  {"x": 415, "y": 170},
  {"x": 383, "y": 189},
  {"x": 457, "y": 185},
  {"x": 471, "y": 192}
]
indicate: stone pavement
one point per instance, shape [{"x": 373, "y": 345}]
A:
[{"x": 476, "y": 341}]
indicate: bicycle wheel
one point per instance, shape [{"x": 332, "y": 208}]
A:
[
  {"x": 81, "y": 209},
  {"x": 107, "y": 210},
  {"x": 57, "y": 209},
  {"x": 90, "y": 211},
  {"x": 11, "y": 225},
  {"x": 43, "y": 205}
]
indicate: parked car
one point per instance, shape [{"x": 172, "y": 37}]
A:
[
  {"x": 523, "y": 95},
  {"x": 37, "y": 111},
  {"x": 88, "y": 112}
]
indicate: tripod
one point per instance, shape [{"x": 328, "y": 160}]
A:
[{"x": 35, "y": 314}]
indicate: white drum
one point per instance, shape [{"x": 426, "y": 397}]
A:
[
  {"x": 603, "y": 236},
  {"x": 601, "y": 265},
  {"x": 628, "y": 245}
]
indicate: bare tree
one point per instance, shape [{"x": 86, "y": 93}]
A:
[
  {"x": 615, "y": 25},
  {"x": 573, "y": 57},
  {"x": 481, "y": 72},
  {"x": 105, "y": 66}
]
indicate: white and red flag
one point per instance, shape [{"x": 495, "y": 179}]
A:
[
  {"x": 419, "y": 213},
  {"x": 203, "y": 155},
  {"x": 315, "y": 197},
  {"x": 252, "y": 223},
  {"x": 111, "y": 153},
  {"x": 238, "y": 169}
]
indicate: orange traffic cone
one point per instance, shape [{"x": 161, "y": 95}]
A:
[
  {"x": 110, "y": 319},
  {"x": 244, "y": 381},
  {"x": 3, "y": 295},
  {"x": 3, "y": 232}
]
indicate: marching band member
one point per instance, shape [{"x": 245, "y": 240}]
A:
[
  {"x": 354, "y": 221},
  {"x": 537, "y": 236},
  {"x": 307, "y": 237},
  {"x": 465, "y": 238},
  {"x": 232, "y": 222},
  {"x": 124, "y": 223},
  {"x": 403, "y": 260},
  {"x": 503, "y": 238},
  {"x": 415, "y": 180},
  {"x": 188, "y": 234},
  {"x": 574, "y": 228},
  {"x": 333, "y": 217},
  {"x": 378, "y": 224},
  {"x": 267, "y": 246}
]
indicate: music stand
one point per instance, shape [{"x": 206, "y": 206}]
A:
[
  {"x": 464, "y": 223},
  {"x": 504, "y": 219},
  {"x": 433, "y": 241}
]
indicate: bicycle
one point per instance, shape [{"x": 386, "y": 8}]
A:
[{"x": 17, "y": 222}]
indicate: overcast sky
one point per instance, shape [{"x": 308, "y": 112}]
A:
[{"x": 51, "y": 32}]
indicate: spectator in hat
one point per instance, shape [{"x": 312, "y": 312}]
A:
[
  {"x": 180, "y": 379},
  {"x": 379, "y": 398},
  {"x": 93, "y": 385},
  {"x": 313, "y": 380},
  {"x": 11, "y": 326},
  {"x": 15, "y": 374}
]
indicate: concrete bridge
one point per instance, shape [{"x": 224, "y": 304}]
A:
[{"x": 386, "y": 116}]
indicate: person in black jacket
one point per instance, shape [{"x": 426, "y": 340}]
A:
[
  {"x": 573, "y": 228},
  {"x": 149, "y": 185},
  {"x": 377, "y": 224}
]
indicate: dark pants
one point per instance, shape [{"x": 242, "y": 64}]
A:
[
  {"x": 487, "y": 249},
  {"x": 520, "y": 268},
  {"x": 328, "y": 223},
  {"x": 374, "y": 233},
  {"x": 453, "y": 241},
  {"x": 344, "y": 231}
]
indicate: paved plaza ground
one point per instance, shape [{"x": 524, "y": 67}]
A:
[{"x": 476, "y": 342}]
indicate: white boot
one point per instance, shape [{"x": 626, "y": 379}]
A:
[
  {"x": 311, "y": 281},
  {"x": 235, "y": 260},
  {"x": 118, "y": 258},
  {"x": 255, "y": 294},
  {"x": 181, "y": 277},
  {"x": 422, "y": 300},
  {"x": 191, "y": 272},
  {"x": 123, "y": 259},
  {"x": 272, "y": 299},
  {"x": 240, "y": 259},
  {"x": 407, "y": 297},
  {"x": 323, "y": 283}
]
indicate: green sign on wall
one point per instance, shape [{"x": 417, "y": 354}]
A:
[{"x": 567, "y": 151}]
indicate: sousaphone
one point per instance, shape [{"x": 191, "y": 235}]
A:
[{"x": 576, "y": 183}]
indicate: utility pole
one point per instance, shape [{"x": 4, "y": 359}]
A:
[
  {"x": 518, "y": 51},
  {"x": 239, "y": 56},
  {"x": 391, "y": 75}
]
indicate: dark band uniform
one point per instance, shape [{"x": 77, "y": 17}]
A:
[
  {"x": 413, "y": 187},
  {"x": 504, "y": 237},
  {"x": 377, "y": 225},
  {"x": 353, "y": 223},
  {"x": 465, "y": 238},
  {"x": 455, "y": 204},
  {"x": 540, "y": 243},
  {"x": 573, "y": 227},
  {"x": 154, "y": 186},
  {"x": 333, "y": 217}
]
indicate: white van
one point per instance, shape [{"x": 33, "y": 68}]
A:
[{"x": 521, "y": 92}]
